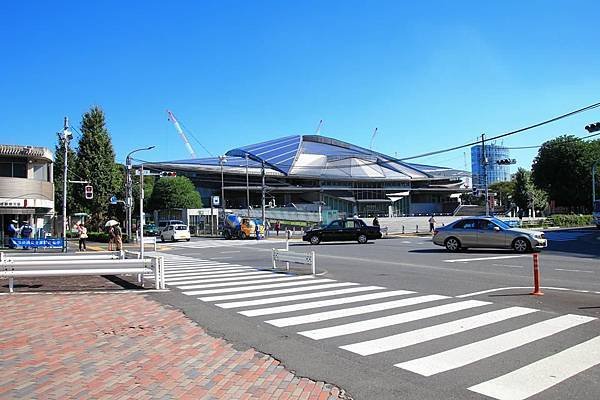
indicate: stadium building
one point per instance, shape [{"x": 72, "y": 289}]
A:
[{"x": 310, "y": 173}]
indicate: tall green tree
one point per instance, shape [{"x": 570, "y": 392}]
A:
[
  {"x": 58, "y": 172},
  {"x": 562, "y": 168},
  {"x": 96, "y": 164},
  {"x": 526, "y": 195},
  {"x": 174, "y": 192},
  {"x": 503, "y": 190}
]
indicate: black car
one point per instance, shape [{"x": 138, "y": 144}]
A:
[{"x": 343, "y": 229}]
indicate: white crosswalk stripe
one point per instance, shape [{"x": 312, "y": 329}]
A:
[
  {"x": 210, "y": 243},
  {"x": 435, "y": 332},
  {"x": 543, "y": 374},
  {"x": 258, "y": 293},
  {"x": 470, "y": 353},
  {"x": 370, "y": 324}
]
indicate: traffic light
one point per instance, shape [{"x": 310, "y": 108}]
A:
[
  {"x": 593, "y": 127},
  {"x": 89, "y": 192},
  {"x": 168, "y": 173},
  {"x": 506, "y": 161}
]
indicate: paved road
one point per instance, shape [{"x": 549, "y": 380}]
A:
[{"x": 402, "y": 318}]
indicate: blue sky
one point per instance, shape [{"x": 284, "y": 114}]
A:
[{"x": 428, "y": 76}]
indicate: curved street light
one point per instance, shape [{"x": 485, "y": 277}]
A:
[{"x": 129, "y": 188}]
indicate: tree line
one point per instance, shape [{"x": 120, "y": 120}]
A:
[
  {"x": 561, "y": 175},
  {"x": 92, "y": 159}
]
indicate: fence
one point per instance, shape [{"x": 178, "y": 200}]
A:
[{"x": 31, "y": 265}]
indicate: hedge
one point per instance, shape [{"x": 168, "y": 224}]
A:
[{"x": 572, "y": 220}]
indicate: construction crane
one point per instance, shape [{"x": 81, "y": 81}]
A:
[{"x": 188, "y": 146}]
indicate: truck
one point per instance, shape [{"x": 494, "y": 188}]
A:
[{"x": 236, "y": 227}]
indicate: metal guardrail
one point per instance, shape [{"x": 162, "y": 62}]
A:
[
  {"x": 92, "y": 264},
  {"x": 297, "y": 258}
]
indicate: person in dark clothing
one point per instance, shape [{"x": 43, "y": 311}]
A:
[
  {"x": 13, "y": 232},
  {"x": 375, "y": 221}
]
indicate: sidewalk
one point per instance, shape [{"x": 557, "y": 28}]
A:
[{"x": 120, "y": 346}]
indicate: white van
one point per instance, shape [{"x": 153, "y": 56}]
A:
[
  {"x": 162, "y": 224},
  {"x": 175, "y": 232}
]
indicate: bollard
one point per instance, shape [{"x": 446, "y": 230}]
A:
[
  {"x": 417, "y": 231},
  {"x": 403, "y": 229},
  {"x": 536, "y": 276},
  {"x": 287, "y": 248}
]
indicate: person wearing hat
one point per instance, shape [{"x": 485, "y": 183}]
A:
[{"x": 13, "y": 232}]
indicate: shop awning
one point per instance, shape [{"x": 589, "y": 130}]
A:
[{"x": 397, "y": 196}]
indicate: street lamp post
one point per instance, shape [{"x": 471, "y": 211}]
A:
[
  {"x": 129, "y": 189},
  {"x": 222, "y": 159},
  {"x": 594, "y": 182},
  {"x": 66, "y": 136},
  {"x": 247, "y": 188}
]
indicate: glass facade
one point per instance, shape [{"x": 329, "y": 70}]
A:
[{"x": 495, "y": 172}]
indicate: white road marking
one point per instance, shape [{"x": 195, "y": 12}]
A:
[
  {"x": 323, "y": 303},
  {"x": 267, "y": 279},
  {"x": 470, "y": 353},
  {"x": 249, "y": 285},
  {"x": 573, "y": 270},
  {"x": 483, "y": 258},
  {"x": 525, "y": 288},
  {"x": 396, "y": 319},
  {"x": 508, "y": 266},
  {"x": 328, "y": 315},
  {"x": 434, "y": 332},
  {"x": 314, "y": 286},
  {"x": 230, "y": 251},
  {"x": 298, "y": 297},
  {"x": 207, "y": 273},
  {"x": 223, "y": 277},
  {"x": 543, "y": 374},
  {"x": 220, "y": 258}
]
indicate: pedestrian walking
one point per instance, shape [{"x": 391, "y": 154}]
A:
[
  {"x": 26, "y": 231},
  {"x": 431, "y": 223},
  {"x": 118, "y": 237},
  {"x": 277, "y": 227},
  {"x": 111, "y": 238},
  {"x": 375, "y": 221},
  {"x": 82, "y": 230},
  {"x": 13, "y": 232},
  {"x": 257, "y": 231}
]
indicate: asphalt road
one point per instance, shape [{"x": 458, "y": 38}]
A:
[{"x": 412, "y": 321}]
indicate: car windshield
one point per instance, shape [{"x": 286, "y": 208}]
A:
[{"x": 500, "y": 223}]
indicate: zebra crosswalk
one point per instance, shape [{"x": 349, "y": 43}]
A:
[
  {"x": 368, "y": 321},
  {"x": 210, "y": 243}
]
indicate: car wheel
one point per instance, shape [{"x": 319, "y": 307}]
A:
[
  {"x": 315, "y": 240},
  {"x": 520, "y": 245},
  {"x": 243, "y": 235},
  {"x": 226, "y": 235},
  {"x": 162, "y": 239},
  {"x": 452, "y": 244},
  {"x": 187, "y": 240},
  {"x": 173, "y": 238},
  {"x": 362, "y": 239}
]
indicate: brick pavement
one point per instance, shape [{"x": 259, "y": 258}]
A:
[{"x": 121, "y": 346}]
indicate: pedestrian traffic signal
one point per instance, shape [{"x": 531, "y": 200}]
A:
[
  {"x": 89, "y": 192},
  {"x": 168, "y": 173},
  {"x": 593, "y": 127},
  {"x": 475, "y": 191},
  {"x": 506, "y": 161}
]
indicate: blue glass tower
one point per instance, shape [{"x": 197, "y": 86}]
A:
[{"x": 495, "y": 171}]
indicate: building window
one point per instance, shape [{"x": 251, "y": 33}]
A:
[
  {"x": 13, "y": 169},
  {"x": 40, "y": 172}
]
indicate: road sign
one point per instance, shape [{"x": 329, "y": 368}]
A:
[
  {"x": 113, "y": 200},
  {"x": 216, "y": 200},
  {"x": 146, "y": 172}
]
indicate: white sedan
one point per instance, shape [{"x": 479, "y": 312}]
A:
[{"x": 175, "y": 232}]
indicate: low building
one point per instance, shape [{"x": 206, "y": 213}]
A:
[
  {"x": 316, "y": 173},
  {"x": 26, "y": 187}
]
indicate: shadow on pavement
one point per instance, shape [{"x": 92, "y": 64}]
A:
[{"x": 584, "y": 242}]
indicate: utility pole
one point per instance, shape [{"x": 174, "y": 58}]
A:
[
  {"x": 594, "y": 182},
  {"x": 484, "y": 163},
  {"x": 222, "y": 159},
  {"x": 66, "y": 137},
  {"x": 128, "y": 196},
  {"x": 264, "y": 191},
  {"x": 247, "y": 188}
]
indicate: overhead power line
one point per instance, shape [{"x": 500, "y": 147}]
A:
[{"x": 569, "y": 114}]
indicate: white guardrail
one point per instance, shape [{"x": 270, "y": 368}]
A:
[
  {"x": 281, "y": 255},
  {"x": 15, "y": 266}
]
